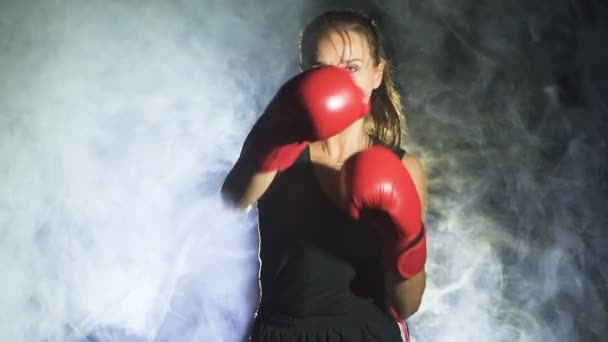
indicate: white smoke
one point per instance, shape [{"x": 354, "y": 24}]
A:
[
  {"x": 118, "y": 121},
  {"x": 516, "y": 190}
]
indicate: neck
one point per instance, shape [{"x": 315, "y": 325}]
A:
[{"x": 341, "y": 146}]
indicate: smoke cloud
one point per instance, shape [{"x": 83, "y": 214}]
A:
[
  {"x": 506, "y": 111},
  {"x": 118, "y": 122}
]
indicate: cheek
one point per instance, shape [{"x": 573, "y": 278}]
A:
[{"x": 364, "y": 82}]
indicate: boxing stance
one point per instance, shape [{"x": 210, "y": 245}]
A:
[{"x": 340, "y": 205}]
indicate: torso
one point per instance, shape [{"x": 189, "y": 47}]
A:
[
  {"x": 315, "y": 258},
  {"x": 327, "y": 172},
  {"x": 328, "y": 177}
]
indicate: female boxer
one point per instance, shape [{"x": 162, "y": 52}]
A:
[{"x": 340, "y": 205}]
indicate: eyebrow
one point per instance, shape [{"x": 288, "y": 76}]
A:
[{"x": 346, "y": 61}]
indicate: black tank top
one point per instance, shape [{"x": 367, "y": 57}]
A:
[{"x": 315, "y": 259}]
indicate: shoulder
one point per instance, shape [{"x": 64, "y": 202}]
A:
[
  {"x": 416, "y": 171},
  {"x": 413, "y": 165},
  {"x": 410, "y": 162}
]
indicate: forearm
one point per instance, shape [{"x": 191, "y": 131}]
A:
[
  {"x": 243, "y": 185},
  {"x": 405, "y": 295}
]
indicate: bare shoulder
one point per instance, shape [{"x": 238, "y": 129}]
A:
[{"x": 414, "y": 167}]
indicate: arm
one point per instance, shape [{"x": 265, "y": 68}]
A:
[
  {"x": 302, "y": 110},
  {"x": 405, "y": 295},
  {"x": 393, "y": 191},
  {"x": 244, "y": 185}
]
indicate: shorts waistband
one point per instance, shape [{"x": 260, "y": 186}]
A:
[{"x": 319, "y": 321}]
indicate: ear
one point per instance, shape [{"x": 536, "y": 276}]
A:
[{"x": 378, "y": 73}]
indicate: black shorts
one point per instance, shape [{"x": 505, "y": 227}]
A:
[{"x": 344, "y": 328}]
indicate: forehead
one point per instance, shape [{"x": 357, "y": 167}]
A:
[{"x": 340, "y": 46}]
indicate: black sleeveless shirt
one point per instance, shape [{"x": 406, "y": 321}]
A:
[{"x": 315, "y": 259}]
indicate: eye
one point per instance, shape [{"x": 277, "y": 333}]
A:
[{"x": 352, "y": 68}]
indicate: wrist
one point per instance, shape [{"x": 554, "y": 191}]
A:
[{"x": 408, "y": 256}]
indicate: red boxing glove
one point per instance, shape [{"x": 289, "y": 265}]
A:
[
  {"x": 313, "y": 105},
  {"x": 375, "y": 179}
]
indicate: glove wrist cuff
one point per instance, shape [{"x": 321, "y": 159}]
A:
[{"x": 411, "y": 260}]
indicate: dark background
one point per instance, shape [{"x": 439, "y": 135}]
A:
[{"x": 118, "y": 121}]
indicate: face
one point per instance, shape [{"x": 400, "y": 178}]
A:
[{"x": 350, "y": 50}]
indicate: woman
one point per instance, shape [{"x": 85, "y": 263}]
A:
[{"x": 323, "y": 275}]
